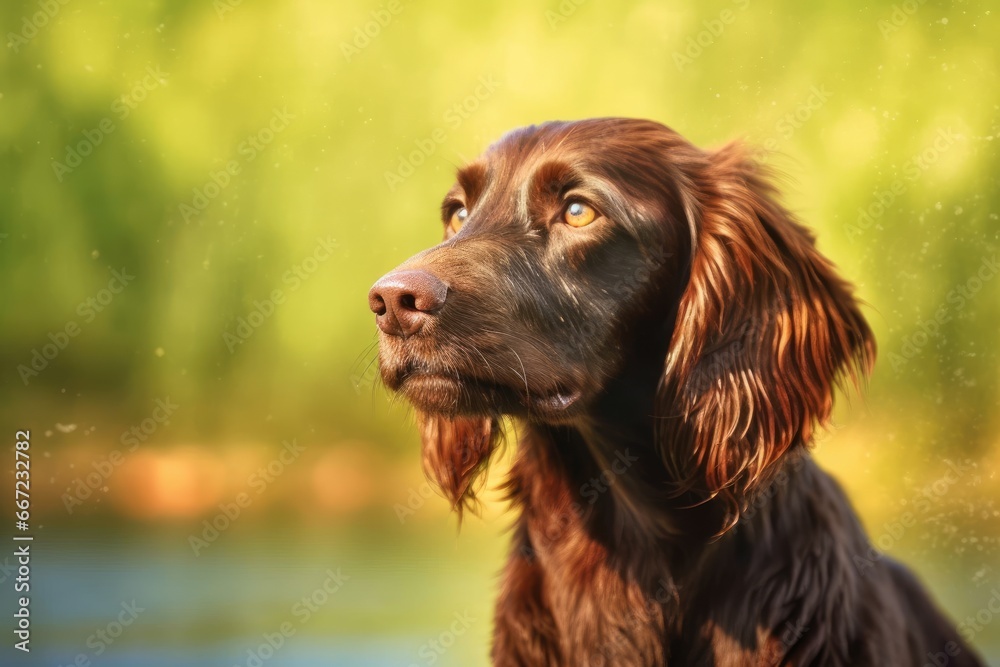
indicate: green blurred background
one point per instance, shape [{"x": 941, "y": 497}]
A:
[{"x": 250, "y": 168}]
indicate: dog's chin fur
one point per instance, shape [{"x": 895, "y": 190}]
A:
[
  {"x": 447, "y": 396},
  {"x": 456, "y": 452}
]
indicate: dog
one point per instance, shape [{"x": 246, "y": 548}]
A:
[{"x": 668, "y": 339}]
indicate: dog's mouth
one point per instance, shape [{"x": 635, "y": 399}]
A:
[{"x": 452, "y": 392}]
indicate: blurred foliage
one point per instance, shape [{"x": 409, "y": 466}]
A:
[
  {"x": 275, "y": 158},
  {"x": 845, "y": 99}
]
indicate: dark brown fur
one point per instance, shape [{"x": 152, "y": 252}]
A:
[{"x": 668, "y": 365}]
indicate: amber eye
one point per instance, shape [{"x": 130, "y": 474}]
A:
[
  {"x": 458, "y": 219},
  {"x": 579, "y": 214}
]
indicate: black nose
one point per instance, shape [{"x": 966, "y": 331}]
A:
[{"x": 404, "y": 300}]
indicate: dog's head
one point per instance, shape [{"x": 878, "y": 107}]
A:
[{"x": 578, "y": 254}]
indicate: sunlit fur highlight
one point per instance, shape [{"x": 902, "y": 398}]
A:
[{"x": 756, "y": 283}]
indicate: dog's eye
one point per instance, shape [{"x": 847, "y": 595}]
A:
[
  {"x": 458, "y": 219},
  {"x": 579, "y": 214}
]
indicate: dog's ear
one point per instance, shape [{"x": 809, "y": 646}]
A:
[
  {"x": 456, "y": 451},
  {"x": 764, "y": 329}
]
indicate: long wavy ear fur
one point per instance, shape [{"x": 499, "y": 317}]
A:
[
  {"x": 765, "y": 328},
  {"x": 456, "y": 451}
]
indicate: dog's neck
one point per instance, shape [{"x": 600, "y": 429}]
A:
[
  {"x": 613, "y": 469},
  {"x": 611, "y": 464}
]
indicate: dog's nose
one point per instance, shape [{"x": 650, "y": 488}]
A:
[{"x": 403, "y": 301}]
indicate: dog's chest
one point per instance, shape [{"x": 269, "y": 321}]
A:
[{"x": 602, "y": 613}]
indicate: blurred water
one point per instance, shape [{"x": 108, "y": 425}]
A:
[
  {"x": 394, "y": 605},
  {"x": 398, "y": 599},
  {"x": 373, "y": 653}
]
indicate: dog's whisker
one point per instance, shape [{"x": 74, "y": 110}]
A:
[
  {"x": 486, "y": 362},
  {"x": 523, "y": 375},
  {"x": 368, "y": 349}
]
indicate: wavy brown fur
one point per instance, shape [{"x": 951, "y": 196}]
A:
[
  {"x": 759, "y": 288},
  {"x": 455, "y": 452}
]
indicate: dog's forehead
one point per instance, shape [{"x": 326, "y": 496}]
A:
[
  {"x": 596, "y": 145},
  {"x": 615, "y": 159},
  {"x": 534, "y": 142},
  {"x": 511, "y": 161}
]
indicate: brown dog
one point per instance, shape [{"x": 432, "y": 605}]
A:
[{"x": 670, "y": 337}]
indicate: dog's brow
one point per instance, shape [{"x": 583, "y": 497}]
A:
[
  {"x": 472, "y": 178},
  {"x": 553, "y": 172}
]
